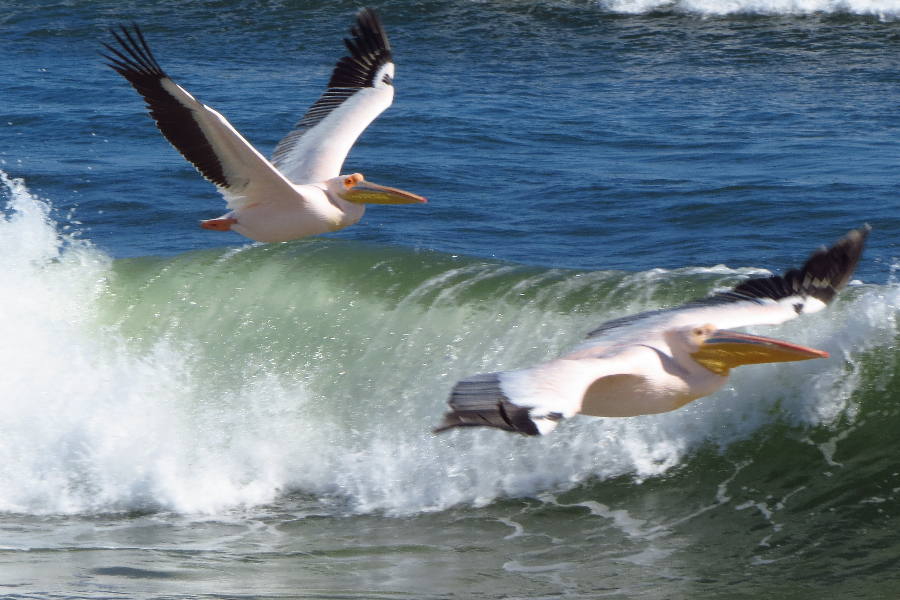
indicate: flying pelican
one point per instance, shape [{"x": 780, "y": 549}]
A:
[
  {"x": 658, "y": 361},
  {"x": 301, "y": 191}
]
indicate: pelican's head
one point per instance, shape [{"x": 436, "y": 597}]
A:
[
  {"x": 353, "y": 188},
  {"x": 719, "y": 350}
]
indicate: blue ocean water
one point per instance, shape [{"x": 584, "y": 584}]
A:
[{"x": 187, "y": 414}]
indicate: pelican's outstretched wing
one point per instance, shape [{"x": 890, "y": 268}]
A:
[
  {"x": 360, "y": 89},
  {"x": 761, "y": 301},
  {"x": 203, "y": 136}
]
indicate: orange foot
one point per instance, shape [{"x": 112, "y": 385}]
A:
[{"x": 221, "y": 224}]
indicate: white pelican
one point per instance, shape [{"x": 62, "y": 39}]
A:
[
  {"x": 300, "y": 192},
  {"x": 660, "y": 360}
]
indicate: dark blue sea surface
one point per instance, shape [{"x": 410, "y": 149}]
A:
[
  {"x": 558, "y": 135},
  {"x": 185, "y": 413}
]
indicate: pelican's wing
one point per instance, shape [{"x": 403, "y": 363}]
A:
[
  {"x": 762, "y": 301},
  {"x": 203, "y": 136},
  {"x": 360, "y": 89}
]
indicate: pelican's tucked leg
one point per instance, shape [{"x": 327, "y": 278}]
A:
[{"x": 220, "y": 224}]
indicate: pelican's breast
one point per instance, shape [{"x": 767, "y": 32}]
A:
[{"x": 308, "y": 212}]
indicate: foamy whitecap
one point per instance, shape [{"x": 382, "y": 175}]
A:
[{"x": 884, "y": 9}]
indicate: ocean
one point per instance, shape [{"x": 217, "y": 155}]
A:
[{"x": 188, "y": 414}]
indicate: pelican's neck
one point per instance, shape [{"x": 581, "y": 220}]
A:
[
  {"x": 700, "y": 380},
  {"x": 352, "y": 211}
]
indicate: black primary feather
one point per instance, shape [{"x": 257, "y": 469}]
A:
[
  {"x": 175, "y": 120},
  {"x": 823, "y": 275},
  {"x": 369, "y": 51}
]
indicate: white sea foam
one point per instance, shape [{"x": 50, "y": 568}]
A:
[
  {"x": 85, "y": 423},
  {"x": 884, "y": 9},
  {"x": 200, "y": 415}
]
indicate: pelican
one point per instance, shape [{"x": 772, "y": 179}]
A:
[
  {"x": 658, "y": 361},
  {"x": 300, "y": 192}
]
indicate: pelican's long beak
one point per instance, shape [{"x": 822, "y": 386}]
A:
[
  {"x": 364, "y": 192},
  {"x": 724, "y": 350}
]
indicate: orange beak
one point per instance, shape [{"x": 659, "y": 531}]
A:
[
  {"x": 724, "y": 350},
  {"x": 361, "y": 191}
]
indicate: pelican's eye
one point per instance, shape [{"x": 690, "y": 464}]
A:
[{"x": 703, "y": 331}]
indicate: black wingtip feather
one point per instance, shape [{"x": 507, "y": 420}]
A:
[
  {"x": 825, "y": 273},
  {"x": 136, "y": 63},
  {"x": 140, "y": 60},
  {"x": 369, "y": 50},
  {"x": 822, "y": 276},
  {"x": 829, "y": 270},
  {"x": 479, "y": 402}
]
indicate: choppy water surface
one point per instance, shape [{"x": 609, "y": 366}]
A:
[{"x": 186, "y": 414}]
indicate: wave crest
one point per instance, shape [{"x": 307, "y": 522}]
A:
[{"x": 885, "y": 10}]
